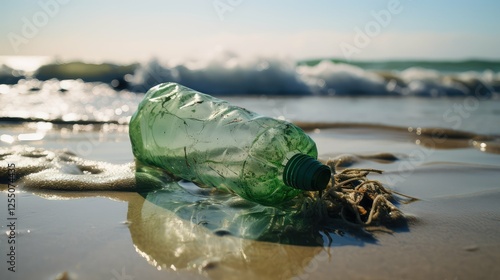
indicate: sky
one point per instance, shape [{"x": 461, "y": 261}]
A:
[{"x": 128, "y": 31}]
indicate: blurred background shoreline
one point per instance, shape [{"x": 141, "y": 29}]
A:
[{"x": 226, "y": 73}]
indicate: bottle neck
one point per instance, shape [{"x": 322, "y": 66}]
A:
[{"x": 306, "y": 173}]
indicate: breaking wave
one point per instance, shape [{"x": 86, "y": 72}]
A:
[{"x": 226, "y": 73}]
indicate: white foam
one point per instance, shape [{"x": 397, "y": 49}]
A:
[
  {"x": 226, "y": 73},
  {"x": 341, "y": 79},
  {"x": 42, "y": 169}
]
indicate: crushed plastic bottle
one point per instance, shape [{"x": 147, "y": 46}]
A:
[{"x": 212, "y": 143}]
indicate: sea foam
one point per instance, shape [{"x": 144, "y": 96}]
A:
[{"x": 227, "y": 73}]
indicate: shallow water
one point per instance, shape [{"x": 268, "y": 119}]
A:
[{"x": 453, "y": 231}]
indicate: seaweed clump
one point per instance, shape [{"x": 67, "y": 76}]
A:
[{"x": 356, "y": 200}]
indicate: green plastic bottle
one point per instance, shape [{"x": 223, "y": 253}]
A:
[{"x": 212, "y": 143}]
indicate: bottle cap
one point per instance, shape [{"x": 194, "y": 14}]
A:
[{"x": 306, "y": 173}]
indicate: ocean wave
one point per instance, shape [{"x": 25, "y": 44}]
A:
[
  {"x": 225, "y": 74},
  {"x": 229, "y": 74}
]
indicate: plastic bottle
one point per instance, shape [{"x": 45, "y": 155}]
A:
[{"x": 212, "y": 143}]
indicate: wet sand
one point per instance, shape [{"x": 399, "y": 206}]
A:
[{"x": 453, "y": 230}]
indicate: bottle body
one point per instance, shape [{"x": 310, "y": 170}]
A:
[{"x": 212, "y": 143}]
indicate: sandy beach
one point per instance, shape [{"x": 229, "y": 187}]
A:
[{"x": 452, "y": 230}]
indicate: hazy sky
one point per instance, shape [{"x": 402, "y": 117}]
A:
[{"x": 132, "y": 30}]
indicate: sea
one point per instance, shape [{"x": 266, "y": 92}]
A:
[{"x": 408, "y": 93}]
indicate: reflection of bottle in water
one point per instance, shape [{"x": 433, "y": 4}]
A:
[
  {"x": 173, "y": 229},
  {"x": 212, "y": 143},
  {"x": 181, "y": 226}
]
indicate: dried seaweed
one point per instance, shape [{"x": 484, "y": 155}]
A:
[{"x": 357, "y": 200}]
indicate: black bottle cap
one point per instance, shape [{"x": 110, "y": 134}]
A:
[{"x": 306, "y": 173}]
